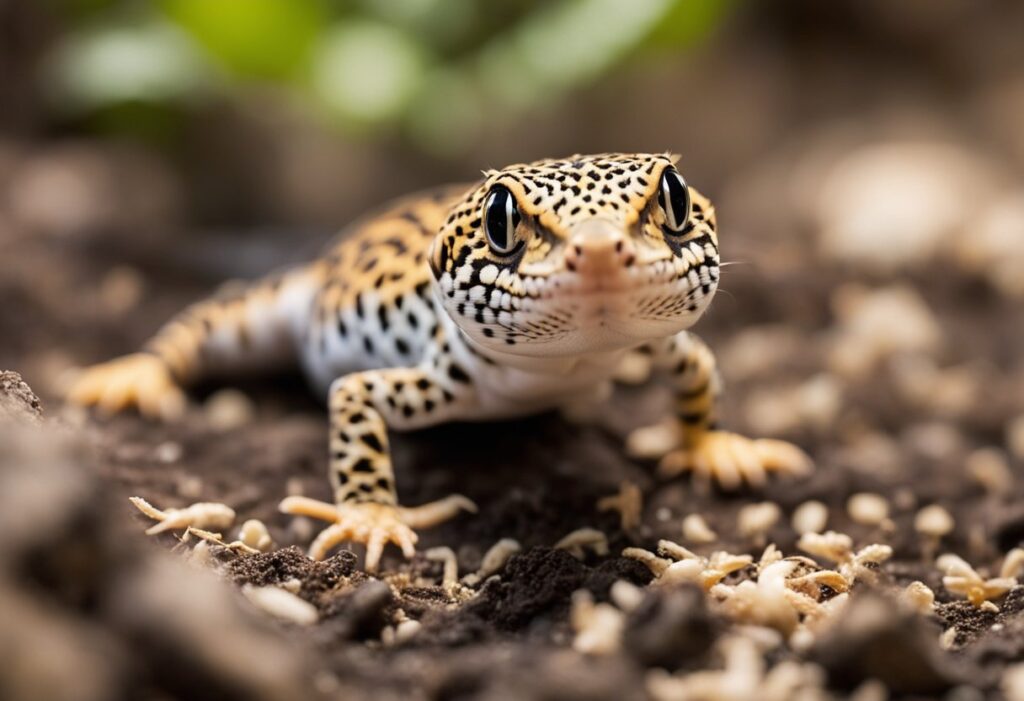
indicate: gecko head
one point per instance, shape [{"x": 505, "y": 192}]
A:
[{"x": 584, "y": 254}]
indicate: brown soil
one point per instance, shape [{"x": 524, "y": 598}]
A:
[{"x": 535, "y": 480}]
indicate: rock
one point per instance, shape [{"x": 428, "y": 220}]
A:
[
  {"x": 17, "y": 400},
  {"x": 875, "y": 324},
  {"x": 889, "y": 206},
  {"x": 669, "y": 627},
  {"x": 360, "y": 614},
  {"x": 874, "y": 639}
]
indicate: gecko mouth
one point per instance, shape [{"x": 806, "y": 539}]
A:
[{"x": 663, "y": 276}]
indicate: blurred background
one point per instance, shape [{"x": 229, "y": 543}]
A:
[{"x": 151, "y": 149}]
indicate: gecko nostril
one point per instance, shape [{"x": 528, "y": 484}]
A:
[
  {"x": 578, "y": 250},
  {"x": 618, "y": 246}
]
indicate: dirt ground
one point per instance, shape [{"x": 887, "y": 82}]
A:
[{"x": 869, "y": 428}]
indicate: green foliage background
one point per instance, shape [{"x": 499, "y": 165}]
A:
[{"x": 432, "y": 70}]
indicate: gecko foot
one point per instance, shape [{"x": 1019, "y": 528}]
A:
[
  {"x": 733, "y": 459},
  {"x": 375, "y": 525},
  {"x": 139, "y": 380}
]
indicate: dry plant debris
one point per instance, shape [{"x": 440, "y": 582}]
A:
[
  {"x": 629, "y": 502},
  {"x": 963, "y": 580},
  {"x": 583, "y": 539},
  {"x": 598, "y": 627},
  {"x": 838, "y": 548},
  {"x": 203, "y": 515},
  {"x": 697, "y": 530},
  {"x": 744, "y": 676},
  {"x": 281, "y": 604},
  {"x": 493, "y": 561}
]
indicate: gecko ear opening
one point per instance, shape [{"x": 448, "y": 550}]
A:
[{"x": 432, "y": 260}]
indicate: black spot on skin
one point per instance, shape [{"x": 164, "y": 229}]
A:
[
  {"x": 360, "y": 312},
  {"x": 457, "y": 373},
  {"x": 366, "y": 488},
  {"x": 363, "y": 465},
  {"x": 342, "y": 329},
  {"x": 407, "y": 411},
  {"x": 342, "y": 477},
  {"x": 368, "y": 345},
  {"x": 357, "y": 418},
  {"x": 428, "y": 405},
  {"x": 339, "y": 455},
  {"x": 371, "y": 440},
  {"x": 383, "y": 483},
  {"x": 423, "y": 384}
]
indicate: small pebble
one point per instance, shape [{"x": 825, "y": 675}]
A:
[
  {"x": 294, "y": 487},
  {"x": 281, "y": 604},
  {"x": 1015, "y": 437},
  {"x": 868, "y": 509},
  {"x": 989, "y": 468},
  {"x": 406, "y": 630},
  {"x": 121, "y": 290},
  {"x": 810, "y": 517},
  {"x": 919, "y": 597},
  {"x": 254, "y": 534},
  {"x": 696, "y": 530},
  {"x": 301, "y": 529},
  {"x": 754, "y": 520},
  {"x": 168, "y": 452},
  {"x": 933, "y": 521},
  {"x": 228, "y": 409},
  {"x": 190, "y": 486}
]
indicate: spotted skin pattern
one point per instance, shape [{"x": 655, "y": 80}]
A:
[{"x": 414, "y": 317}]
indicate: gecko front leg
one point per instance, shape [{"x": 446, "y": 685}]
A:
[
  {"x": 362, "y": 408},
  {"x": 691, "y": 441}
]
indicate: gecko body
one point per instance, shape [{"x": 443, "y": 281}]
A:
[{"x": 516, "y": 294}]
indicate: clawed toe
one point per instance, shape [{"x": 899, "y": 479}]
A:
[
  {"x": 141, "y": 381},
  {"x": 733, "y": 460},
  {"x": 372, "y": 524}
]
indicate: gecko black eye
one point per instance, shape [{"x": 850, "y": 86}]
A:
[
  {"x": 501, "y": 217},
  {"x": 674, "y": 198}
]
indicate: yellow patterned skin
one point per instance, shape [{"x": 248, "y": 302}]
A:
[{"x": 516, "y": 294}]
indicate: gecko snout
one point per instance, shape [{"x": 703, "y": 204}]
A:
[{"x": 598, "y": 247}]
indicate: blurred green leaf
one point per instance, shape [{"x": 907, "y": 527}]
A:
[
  {"x": 689, "y": 21},
  {"x": 367, "y": 71},
  {"x": 101, "y": 66},
  {"x": 564, "y": 45},
  {"x": 268, "y": 39}
]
